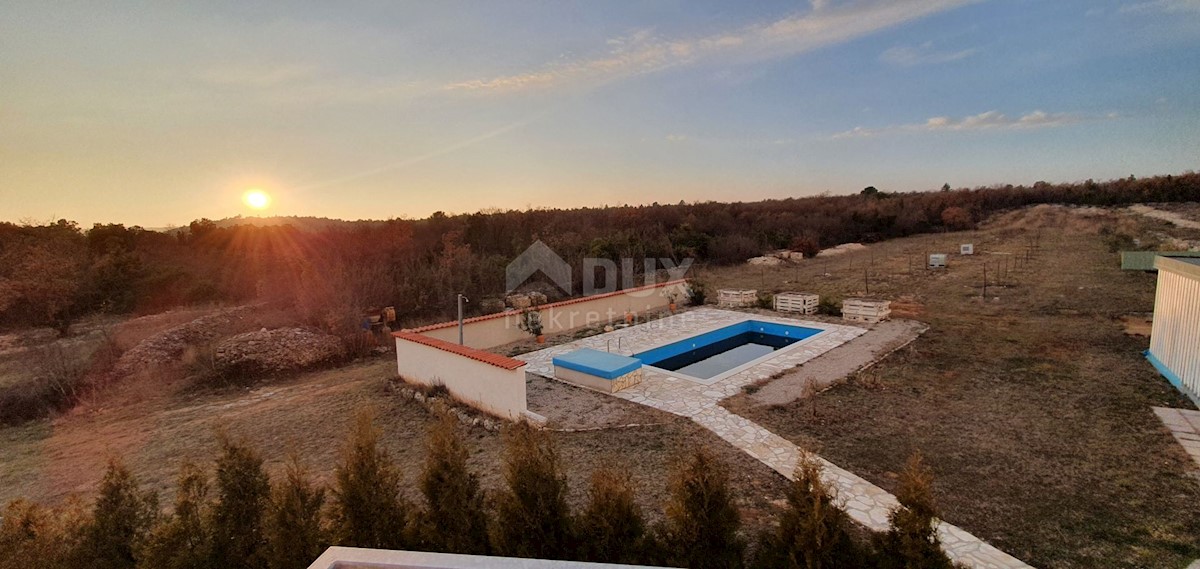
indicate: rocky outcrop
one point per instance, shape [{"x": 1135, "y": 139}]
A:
[{"x": 274, "y": 351}]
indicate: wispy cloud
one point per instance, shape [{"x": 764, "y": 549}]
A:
[
  {"x": 644, "y": 52},
  {"x": 924, "y": 54},
  {"x": 991, "y": 120},
  {"x": 1169, "y": 6}
]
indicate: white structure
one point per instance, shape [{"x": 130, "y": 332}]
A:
[
  {"x": 489, "y": 382},
  {"x": 1175, "y": 335},
  {"x": 966, "y": 249},
  {"x": 491, "y": 330},
  {"x": 736, "y": 298},
  {"x": 800, "y": 302},
  {"x": 353, "y": 557},
  {"x": 937, "y": 261},
  {"x": 869, "y": 310}
]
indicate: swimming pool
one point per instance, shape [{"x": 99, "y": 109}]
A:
[{"x": 721, "y": 352}]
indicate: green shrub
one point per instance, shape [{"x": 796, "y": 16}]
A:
[
  {"x": 611, "y": 527},
  {"x": 830, "y": 306},
  {"x": 697, "y": 292},
  {"x": 184, "y": 539},
  {"x": 293, "y": 524},
  {"x": 532, "y": 516},
  {"x": 454, "y": 519},
  {"x": 912, "y": 541},
  {"x": 121, "y": 520},
  {"x": 368, "y": 509},
  {"x": 702, "y": 521},
  {"x": 243, "y": 493},
  {"x": 813, "y": 532},
  {"x": 765, "y": 300}
]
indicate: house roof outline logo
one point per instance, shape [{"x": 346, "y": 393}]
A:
[{"x": 538, "y": 257}]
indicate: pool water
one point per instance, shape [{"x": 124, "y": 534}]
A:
[{"x": 713, "y": 353}]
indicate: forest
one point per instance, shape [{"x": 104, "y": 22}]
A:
[{"x": 51, "y": 274}]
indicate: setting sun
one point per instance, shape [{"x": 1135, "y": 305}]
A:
[{"x": 256, "y": 199}]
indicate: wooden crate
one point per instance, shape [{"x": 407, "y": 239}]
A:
[
  {"x": 801, "y": 302},
  {"x": 737, "y": 298},
  {"x": 868, "y": 310}
]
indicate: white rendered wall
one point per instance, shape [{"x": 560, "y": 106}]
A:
[{"x": 488, "y": 387}]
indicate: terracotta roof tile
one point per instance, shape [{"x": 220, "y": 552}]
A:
[
  {"x": 441, "y": 325},
  {"x": 478, "y": 355}
]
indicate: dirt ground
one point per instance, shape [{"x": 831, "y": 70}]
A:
[
  {"x": 833, "y": 366},
  {"x": 154, "y": 426},
  {"x": 1032, "y": 403}
]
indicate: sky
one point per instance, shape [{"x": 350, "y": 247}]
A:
[{"x": 156, "y": 113}]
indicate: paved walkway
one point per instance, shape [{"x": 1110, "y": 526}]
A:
[
  {"x": 1185, "y": 425},
  {"x": 866, "y": 503}
]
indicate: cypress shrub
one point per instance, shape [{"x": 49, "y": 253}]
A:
[
  {"x": 701, "y": 519},
  {"x": 184, "y": 539},
  {"x": 611, "y": 528},
  {"x": 813, "y": 531},
  {"x": 293, "y": 525},
  {"x": 912, "y": 541},
  {"x": 33, "y": 537},
  {"x": 368, "y": 509},
  {"x": 243, "y": 494},
  {"x": 454, "y": 519},
  {"x": 532, "y": 516},
  {"x": 121, "y": 520}
]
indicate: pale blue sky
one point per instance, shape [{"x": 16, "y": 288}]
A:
[{"x": 157, "y": 113}]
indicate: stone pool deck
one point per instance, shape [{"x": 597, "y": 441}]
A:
[{"x": 867, "y": 503}]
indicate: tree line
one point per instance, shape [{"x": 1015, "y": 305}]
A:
[
  {"x": 239, "y": 517},
  {"x": 51, "y": 274}
]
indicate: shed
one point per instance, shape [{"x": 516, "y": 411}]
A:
[
  {"x": 802, "y": 302},
  {"x": 1144, "y": 260},
  {"x": 1175, "y": 334}
]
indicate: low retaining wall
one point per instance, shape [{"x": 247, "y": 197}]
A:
[
  {"x": 483, "y": 332},
  {"x": 487, "y": 381}
]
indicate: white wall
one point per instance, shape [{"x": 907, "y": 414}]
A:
[
  {"x": 504, "y": 328},
  {"x": 486, "y": 386},
  {"x": 1175, "y": 336}
]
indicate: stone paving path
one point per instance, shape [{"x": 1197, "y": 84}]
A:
[
  {"x": 867, "y": 503},
  {"x": 1184, "y": 424}
]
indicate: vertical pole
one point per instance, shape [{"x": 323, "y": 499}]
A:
[
  {"x": 461, "y": 298},
  {"x": 867, "y": 281},
  {"x": 984, "y": 295}
]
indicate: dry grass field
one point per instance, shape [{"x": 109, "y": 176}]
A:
[
  {"x": 1031, "y": 404},
  {"x": 154, "y": 424}
]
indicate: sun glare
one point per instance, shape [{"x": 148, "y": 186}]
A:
[{"x": 256, "y": 199}]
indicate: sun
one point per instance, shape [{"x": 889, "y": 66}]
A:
[{"x": 255, "y": 198}]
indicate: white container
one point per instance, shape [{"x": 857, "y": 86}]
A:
[
  {"x": 937, "y": 261},
  {"x": 966, "y": 249}
]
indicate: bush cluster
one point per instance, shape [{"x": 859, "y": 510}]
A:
[{"x": 234, "y": 516}]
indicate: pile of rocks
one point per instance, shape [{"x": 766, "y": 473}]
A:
[
  {"x": 274, "y": 351},
  {"x": 166, "y": 347}
]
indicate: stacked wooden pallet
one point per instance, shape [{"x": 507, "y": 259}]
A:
[
  {"x": 870, "y": 310},
  {"x": 801, "y": 302},
  {"x": 737, "y": 298}
]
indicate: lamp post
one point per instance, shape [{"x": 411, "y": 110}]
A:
[{"x": 461, "y": 300}]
